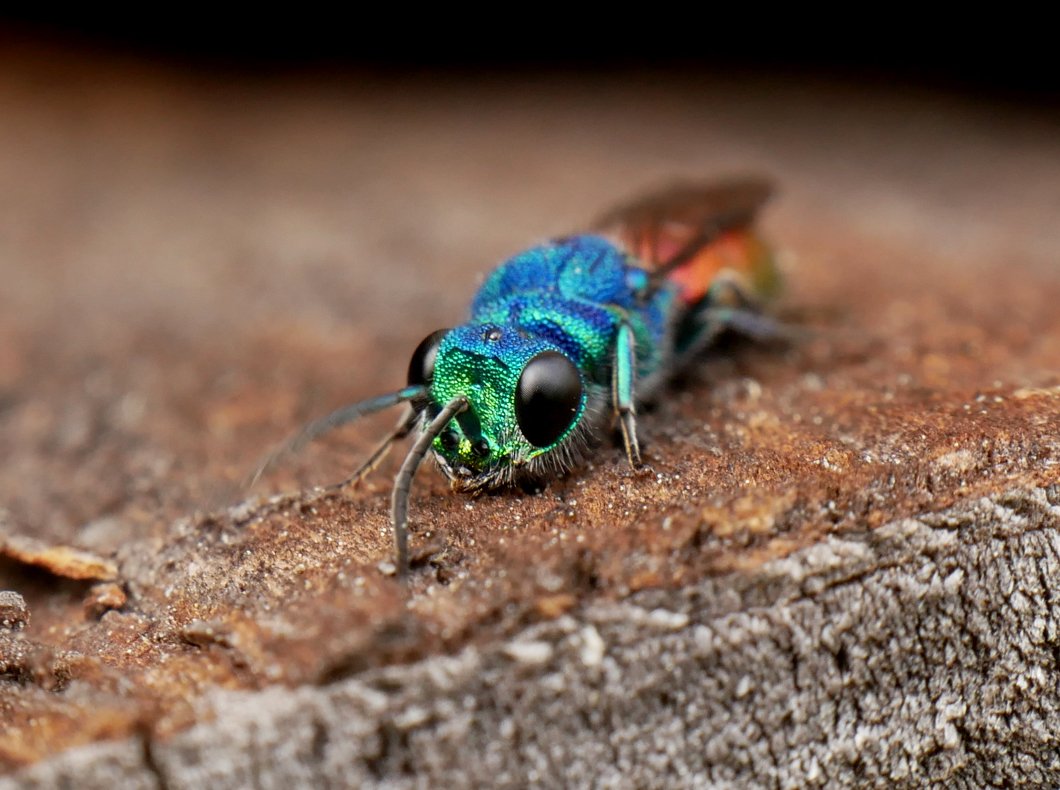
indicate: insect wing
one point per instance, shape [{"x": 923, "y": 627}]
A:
[
  {"x": 683, "y": 218},
  {"x": 689, "y": 232}
]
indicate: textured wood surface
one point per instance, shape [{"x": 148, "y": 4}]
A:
[{"x": 839, "y": 569}]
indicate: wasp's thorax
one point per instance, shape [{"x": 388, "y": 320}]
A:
[{"x": 525, "y": 397}]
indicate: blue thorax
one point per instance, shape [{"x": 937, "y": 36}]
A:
[{"x": 572, "y": 293}]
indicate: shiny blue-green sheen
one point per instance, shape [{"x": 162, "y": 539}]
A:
[{"x": 570, "y": 296}]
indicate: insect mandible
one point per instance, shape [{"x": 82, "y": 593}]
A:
[{"x": 570, "y": 336}]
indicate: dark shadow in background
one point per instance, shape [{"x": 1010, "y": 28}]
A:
[{"x": 993, "y": 58}]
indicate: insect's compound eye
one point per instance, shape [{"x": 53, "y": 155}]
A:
[
  {"x": 547, "y": 398},
  {"x": 421, "y": 366}
]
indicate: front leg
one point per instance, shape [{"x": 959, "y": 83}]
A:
[{"x": 623, "y": 373}]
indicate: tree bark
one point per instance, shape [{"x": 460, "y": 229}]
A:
[{"x": 879, "y": 659}]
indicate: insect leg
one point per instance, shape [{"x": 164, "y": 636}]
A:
[
  {"x": 622, "y": 375},
  {"x": 746, "y": 322},
  {"x": 729, "y": 305},
  {"x": 400, "y": 431},
  {"x": 713, "y": 321}
]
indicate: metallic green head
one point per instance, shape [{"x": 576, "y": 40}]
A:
[{"x": 526, "y": 399}]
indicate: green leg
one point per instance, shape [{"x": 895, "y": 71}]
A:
[{"x": 622, "y": 376}]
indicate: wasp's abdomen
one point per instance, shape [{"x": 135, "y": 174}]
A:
[
  {"x": 694, "y": 235},
  {"x": 738, "y": 254}
]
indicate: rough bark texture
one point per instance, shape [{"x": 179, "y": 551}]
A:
[
  {"x": 839, "y": 569},
  {"x": 878, "y": 659}
]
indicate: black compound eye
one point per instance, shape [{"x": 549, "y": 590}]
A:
[
  {"x": 547, "y": 398},
  {"x": 421, "y": 366}
]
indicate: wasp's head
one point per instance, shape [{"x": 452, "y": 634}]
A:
[{"x": 524, "y": 396}]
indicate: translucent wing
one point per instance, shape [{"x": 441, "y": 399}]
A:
[
  {"x": 658, "y": 226},
  {"x": 699, "y": 228}
]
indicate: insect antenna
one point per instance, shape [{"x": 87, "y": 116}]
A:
[
  {"x": 400, "y": 431},
  {"x": 403, "y": 481},
  {"x": 336, "y": 419}
]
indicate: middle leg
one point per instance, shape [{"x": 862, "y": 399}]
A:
[{"x": 623, "y": 374}]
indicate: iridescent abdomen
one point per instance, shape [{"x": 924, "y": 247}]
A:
[
  {"x": 698, "y": 236},
  {"x": 737, "y": 255}
]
